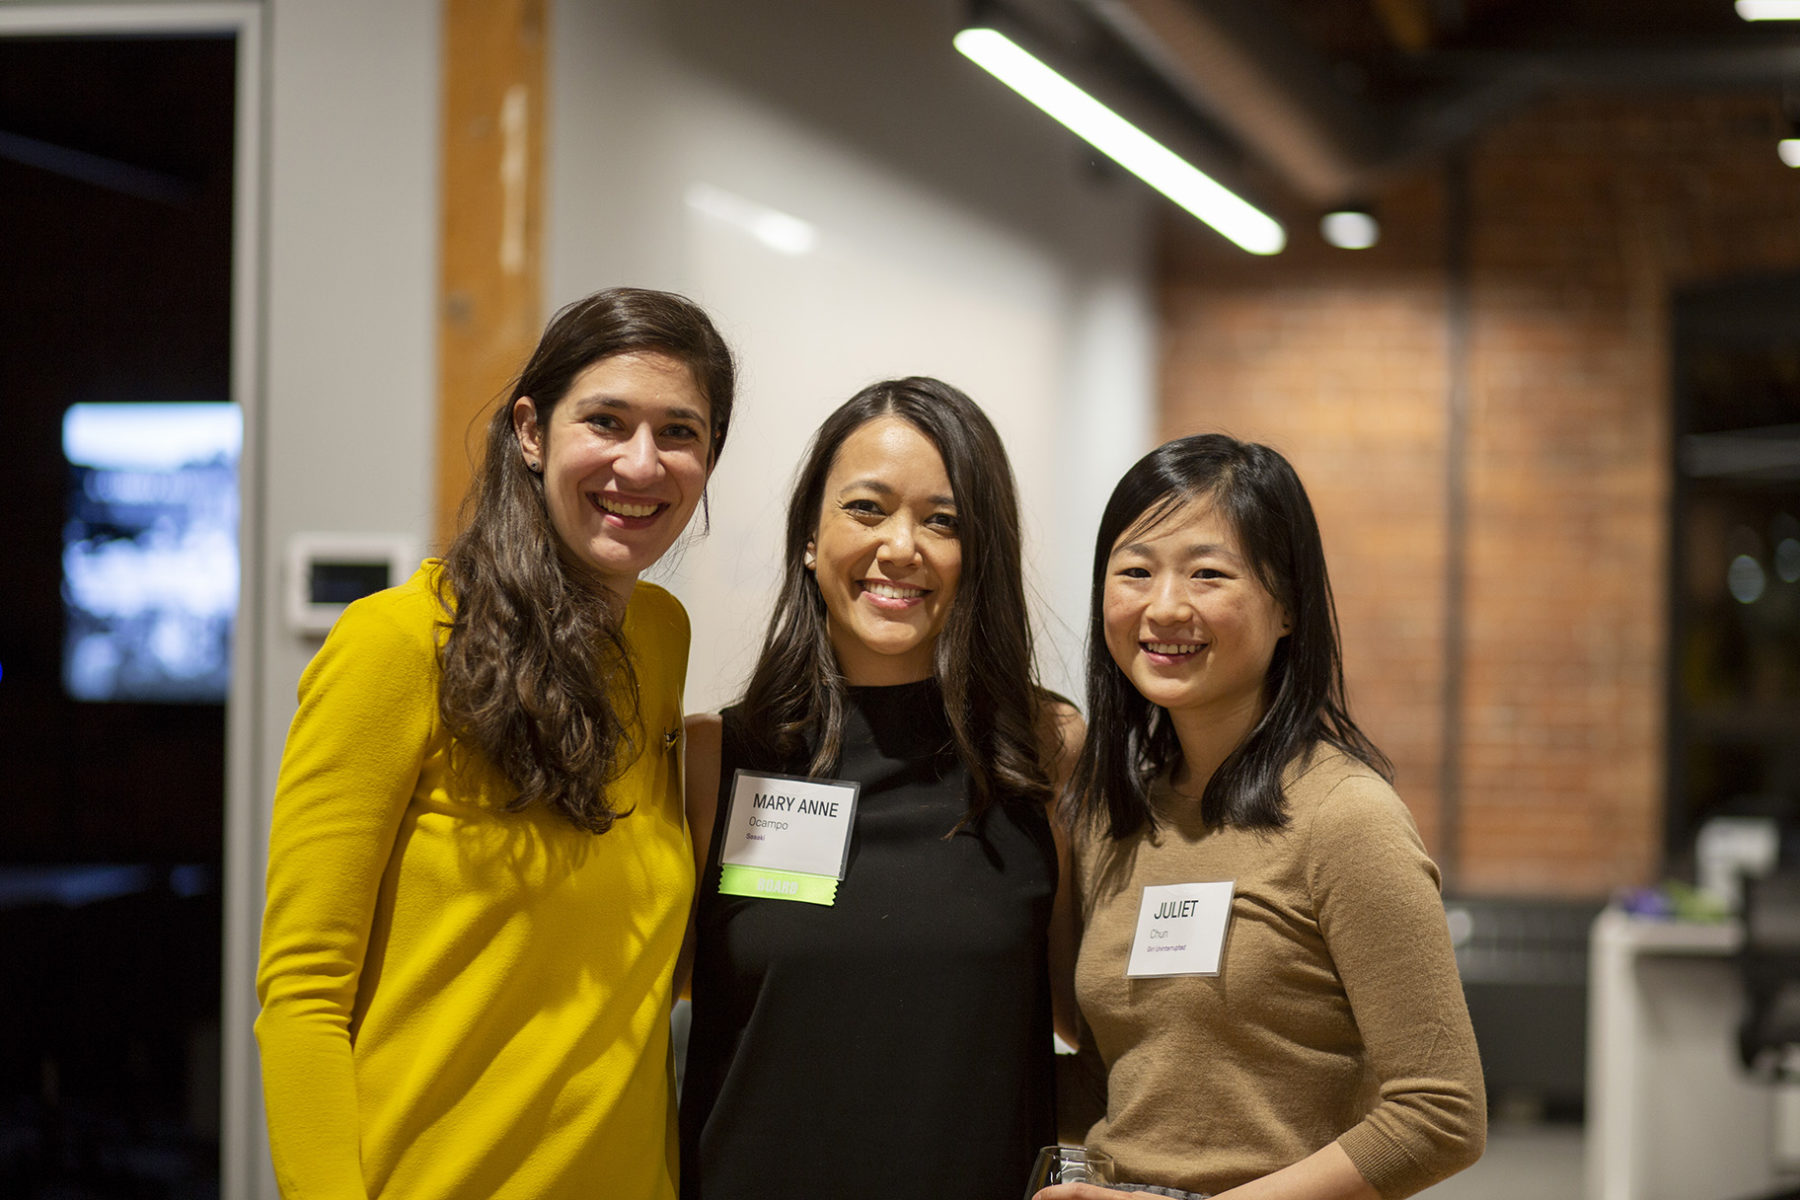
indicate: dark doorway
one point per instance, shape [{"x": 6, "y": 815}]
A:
[
  {"x": 116, "y": 185},
  {"x": 1734, "y": 681}
]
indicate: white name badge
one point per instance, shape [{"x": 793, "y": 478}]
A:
[
  {"x": 787, "y": 838},
  {"x": 1180, "y": 930}
]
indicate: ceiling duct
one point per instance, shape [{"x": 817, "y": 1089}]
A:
[
  {"x": 1237, "y": 65},
  {"x": 1243, "y": 66}
]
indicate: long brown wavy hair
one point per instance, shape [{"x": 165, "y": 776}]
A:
[
  {"x": 795, "y": 703},
  {"x": 536, "y": 675}
]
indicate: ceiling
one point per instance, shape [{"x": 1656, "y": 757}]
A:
[{"x": 1328, "y": 99}]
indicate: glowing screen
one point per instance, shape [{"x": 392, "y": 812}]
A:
[{"x": 150, "y": 560}]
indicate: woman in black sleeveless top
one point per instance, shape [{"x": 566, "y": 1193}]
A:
[{"x": 895, "y": 1041}]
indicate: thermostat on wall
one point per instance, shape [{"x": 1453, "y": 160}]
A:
[{"x": 326, "y": 571}]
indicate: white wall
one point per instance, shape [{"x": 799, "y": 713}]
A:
[
  {"x": 957, "y": 234},
  {"x": 350, "y": 380}
]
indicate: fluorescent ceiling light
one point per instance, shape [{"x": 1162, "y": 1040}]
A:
[
  {"x": 1351, "y": 229},
  {"x": 1788, "y": 150},
  {"x": 1769, "y": 10},
  {"x": 773, "y": 228},
  {"x": 1121, "y": 141}
]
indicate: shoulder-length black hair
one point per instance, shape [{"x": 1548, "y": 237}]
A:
[
  {"x": 535, "y": 658},
  {"x": 794, "y": 705},
  {"x": 1131, "y": 741}
]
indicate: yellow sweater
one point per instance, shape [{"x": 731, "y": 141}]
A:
[{"x": 459, "y": 1001}]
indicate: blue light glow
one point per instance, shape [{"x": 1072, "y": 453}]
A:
[{"x": 150, "y": 563}]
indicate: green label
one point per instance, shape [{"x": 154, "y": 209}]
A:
[{"x": 777, "y": 885}]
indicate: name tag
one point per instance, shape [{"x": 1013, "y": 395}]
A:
[
  {"x": 1180, "y": 930},
  {"x": 786, "y": 838}
]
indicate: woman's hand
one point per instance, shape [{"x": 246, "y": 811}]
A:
[{"x": 1325, "y": 1174}]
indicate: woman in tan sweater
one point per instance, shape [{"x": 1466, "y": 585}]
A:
[{"x": 1265, "y": 966}]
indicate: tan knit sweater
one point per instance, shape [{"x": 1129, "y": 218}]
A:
[{"x": 1337, "y": 1012}]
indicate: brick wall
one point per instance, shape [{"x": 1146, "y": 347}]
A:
[{"x": 1583, "y": 215}]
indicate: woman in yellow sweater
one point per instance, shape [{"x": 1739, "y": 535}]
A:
[
  {"x": 1265, "y": 965},
  {"x": 479, "y": 874}
]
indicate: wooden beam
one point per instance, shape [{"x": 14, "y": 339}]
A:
[{"x": 491, "y": 235}]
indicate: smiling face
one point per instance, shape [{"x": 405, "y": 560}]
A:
[
  {"x": 885, "y": 552},
  {"x": 1188, "y": 621},
  {"x": 624, "y": 457}
]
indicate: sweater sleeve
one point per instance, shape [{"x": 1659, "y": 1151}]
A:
[
  {"x": 367, "y": 711},
  {"x": 1376, "y": 895}
]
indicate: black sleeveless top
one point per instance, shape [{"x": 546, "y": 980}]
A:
[{"x": 896, "y": 1044}]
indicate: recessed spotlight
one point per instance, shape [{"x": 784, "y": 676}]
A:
[
  {"x": 1769, "y": 10},
  {"x": 1350, "y": 229}
]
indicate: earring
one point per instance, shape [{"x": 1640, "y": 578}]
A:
[
  {"x": 535, "y": 467},
  {"x": 810, "y": 561}
]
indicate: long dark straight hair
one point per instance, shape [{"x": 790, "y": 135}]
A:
[
  {"x": 1131, "y": 741},
  {"x": 795, "y": 702},
  {"x": 535, "y": 659}
]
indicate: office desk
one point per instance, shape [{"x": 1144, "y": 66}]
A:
[{"x": 1671, "y": 1114}]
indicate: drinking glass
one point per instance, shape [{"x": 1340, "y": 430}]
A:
[{"x": 1068, "y": 1164}]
